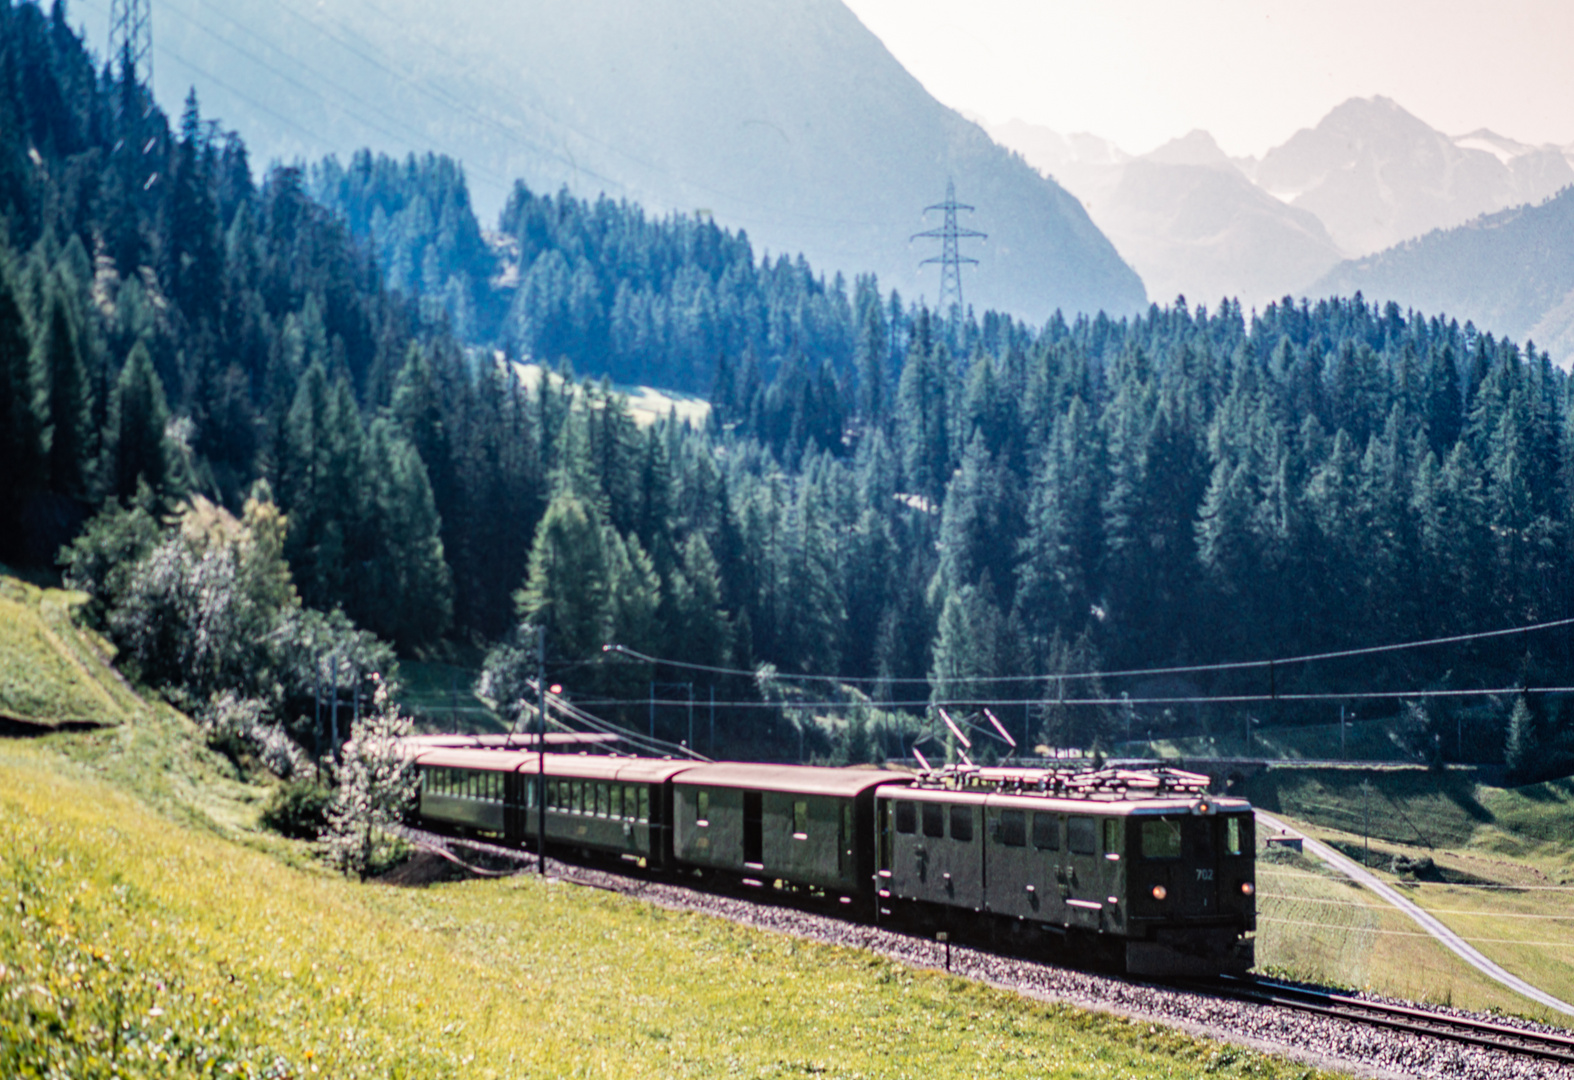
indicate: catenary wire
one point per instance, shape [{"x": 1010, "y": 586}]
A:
[
  {"x": 1231, "y": 665},
  {"x": 1222, "y": 699}
]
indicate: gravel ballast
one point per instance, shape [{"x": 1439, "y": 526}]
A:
[{"x": 1320, "y": 1041}]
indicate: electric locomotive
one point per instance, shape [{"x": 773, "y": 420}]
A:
[{"x": 1145, "y": 868}]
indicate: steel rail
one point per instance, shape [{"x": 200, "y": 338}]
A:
[{"x": 1487, "y": 1034}]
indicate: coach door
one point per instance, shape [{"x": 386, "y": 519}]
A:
[{"x": 753, "y": 829}]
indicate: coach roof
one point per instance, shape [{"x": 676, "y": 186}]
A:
[{"x": 797, "y": 779}]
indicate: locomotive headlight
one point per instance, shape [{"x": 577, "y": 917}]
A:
[
  {"x": 1160, "y": 892},
  {"x": 1247, "y": 888}
]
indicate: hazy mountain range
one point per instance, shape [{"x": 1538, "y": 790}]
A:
[
  {"x": 787, "y": 118},
  {"x": 1511, "y": 272},
  {"x": 1370, "y": 175}
]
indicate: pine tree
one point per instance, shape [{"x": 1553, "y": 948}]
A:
[
  {"x": 58, "y": 354},
  {"x": 567, "y": 589},
  {"x": 1522, "y": 750},
  {"x": 140, "y": 451},
  {"x": 22, "y": 402},
  {"x": 407, "y": 590}
]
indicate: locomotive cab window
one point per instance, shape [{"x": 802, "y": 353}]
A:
[
  {"x": 1112, "y": 843},
  {"x": 1082, "y": 836},
  {"x": 702, "y": 808},
  {"x": 800, "y": 820},
  {"x": 1232, "y": 836},
  {"x": 934, "y": 819},
  {"x": 906, "y": 817},
  {"x": 1046, "y": 832},
  {"x": 1013, "y": 828},
  {"x": 1161, "y": 839},
  {"x": 962, "y": 824}
]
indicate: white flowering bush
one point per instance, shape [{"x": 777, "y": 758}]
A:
[
  {"x": 234, "y": 724},
  {"x": 376, "y": 784}
]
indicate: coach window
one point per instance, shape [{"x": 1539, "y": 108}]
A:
[
  {"x": 906, "y": 817},
  {"x": 702, "y": 813},
  {"x": 934, "y": 819},
  {"x": 962, "y": 824},
  {"x": 603, "y": 800},
  {"x": 616, "y": 809},
  {"x": 1232, "y": 836},
  {"x": 630, "y": 802},
  {"x": 1013, "y": 828},
  {"x": 800, "y": 820},
  {"x": 1081, "y": 836},
  {"x": 1112, "y": 843},
  {"x": 1161, "y": 839},
  {"x": 644, "y": 803},
  {"x": 1046, "y": 832}
]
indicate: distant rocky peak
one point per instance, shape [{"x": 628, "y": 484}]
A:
[
  {"x": 1499, "y": 146},
  {"x": 1196, "y": 147}
]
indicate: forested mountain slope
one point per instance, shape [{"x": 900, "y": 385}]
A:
[
  {"x": 956, "y": 500},
  {"x": 785, "y": 118},
  {"x": 1512, "y": 271}
]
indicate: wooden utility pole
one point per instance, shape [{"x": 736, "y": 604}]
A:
[{"x": 541, "y": 750}]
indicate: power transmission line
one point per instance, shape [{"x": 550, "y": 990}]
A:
[
  {"x": 131, "y": 40},
  {"x": 1086, "y": 702},
  {"x": 1130, "y": 673},
  {"x": 950, "y": 257}
]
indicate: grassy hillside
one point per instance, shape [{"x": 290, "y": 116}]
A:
[
  {"x": 1496, "y": 865},
  {"x": 51, "y": 672}
]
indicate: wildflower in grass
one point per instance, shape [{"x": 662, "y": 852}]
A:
[{"x": 376, "y": 784}]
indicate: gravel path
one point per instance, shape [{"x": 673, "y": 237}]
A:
[{"x": 1330, "y": 1044}]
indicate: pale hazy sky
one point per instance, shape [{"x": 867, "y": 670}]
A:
[{"x": 1252, "y": 72}]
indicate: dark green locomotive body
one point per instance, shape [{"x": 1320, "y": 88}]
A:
[{"x": 1168, "y": 881}]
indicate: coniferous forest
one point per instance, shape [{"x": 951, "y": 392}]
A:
[{"x": 261, "y": 421}]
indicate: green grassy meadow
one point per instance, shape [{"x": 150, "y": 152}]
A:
[
  {"x": 1502, "y": 876},
  {"x": 52, "y": 672}
]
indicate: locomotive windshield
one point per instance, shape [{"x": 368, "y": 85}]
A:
[
  {"x": 1175, "y": 837},
  {"x": 1161, "y": 838}
]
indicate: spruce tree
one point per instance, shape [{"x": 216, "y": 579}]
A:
[
  {"x": 23, "y": 406},
  {"x": 139, "y": 448},
  {"x": 59, "y": 355}
]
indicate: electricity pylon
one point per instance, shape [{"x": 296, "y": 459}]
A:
[
  {"x": 950, "y": 258},
  {"x": 131, "y": 38}
]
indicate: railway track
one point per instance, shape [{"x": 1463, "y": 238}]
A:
[
  {"x": 1413, "y": 1020},
  {"x": 1319, "y": 1006}
]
